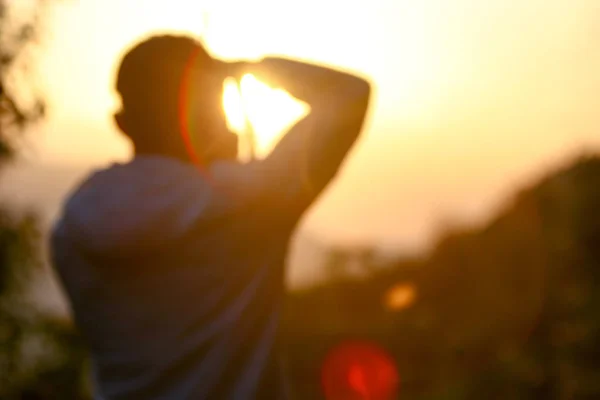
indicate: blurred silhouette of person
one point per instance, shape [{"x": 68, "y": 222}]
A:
[{"x": 174, "y": 261}]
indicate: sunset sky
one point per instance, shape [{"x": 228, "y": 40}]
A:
[{"x": 473, "y": 98}]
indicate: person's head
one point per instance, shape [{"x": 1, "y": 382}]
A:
[{"x": 171, "y": 92}]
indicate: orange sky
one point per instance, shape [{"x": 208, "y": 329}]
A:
[{"x": 473, "y": 97}]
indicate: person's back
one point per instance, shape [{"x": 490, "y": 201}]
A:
[
  {"x": 172, "y": 310},
  {"x": 175, "y": 273}
]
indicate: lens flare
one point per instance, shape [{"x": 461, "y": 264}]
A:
[
  {"x": 184, "y": 111},
  {"x": 359, "y": 371},
  {"x": 400, "y": 297}
]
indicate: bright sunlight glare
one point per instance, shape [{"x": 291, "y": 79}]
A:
[{"x": 254, "y": 108}]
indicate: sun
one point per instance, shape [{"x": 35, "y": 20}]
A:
[{"x": 259, "y": 113}]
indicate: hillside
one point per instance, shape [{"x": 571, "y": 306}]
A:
[{"x": 505, "y": 310}]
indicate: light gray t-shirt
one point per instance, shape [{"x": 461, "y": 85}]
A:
[{"x": 176, "y": 276}]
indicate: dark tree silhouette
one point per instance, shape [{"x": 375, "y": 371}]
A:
[{"x": 38, "y": 358}]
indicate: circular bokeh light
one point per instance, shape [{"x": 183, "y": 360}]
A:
[{"x": 359, "y": 371}]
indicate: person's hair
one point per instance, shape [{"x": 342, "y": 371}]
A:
[{"x": 149, "y": 82}]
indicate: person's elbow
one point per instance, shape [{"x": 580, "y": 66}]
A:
[
  {"x": 355, "y": 99},
  {"x": 348, "y": 104},
  {"x": 359, "y": 88}
]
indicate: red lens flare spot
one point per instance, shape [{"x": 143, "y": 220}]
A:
[
  {"x": 359, "y": 371},
  {"x": 357, "y": 380},
  {"x": 184, "y": 118}
]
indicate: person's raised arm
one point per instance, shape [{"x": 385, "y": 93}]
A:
[{"x": 309, "y": 156}]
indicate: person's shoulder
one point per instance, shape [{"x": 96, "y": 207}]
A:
[
  {"x": 143, "y": 179},
  {"x": 152, "y": 170}
]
